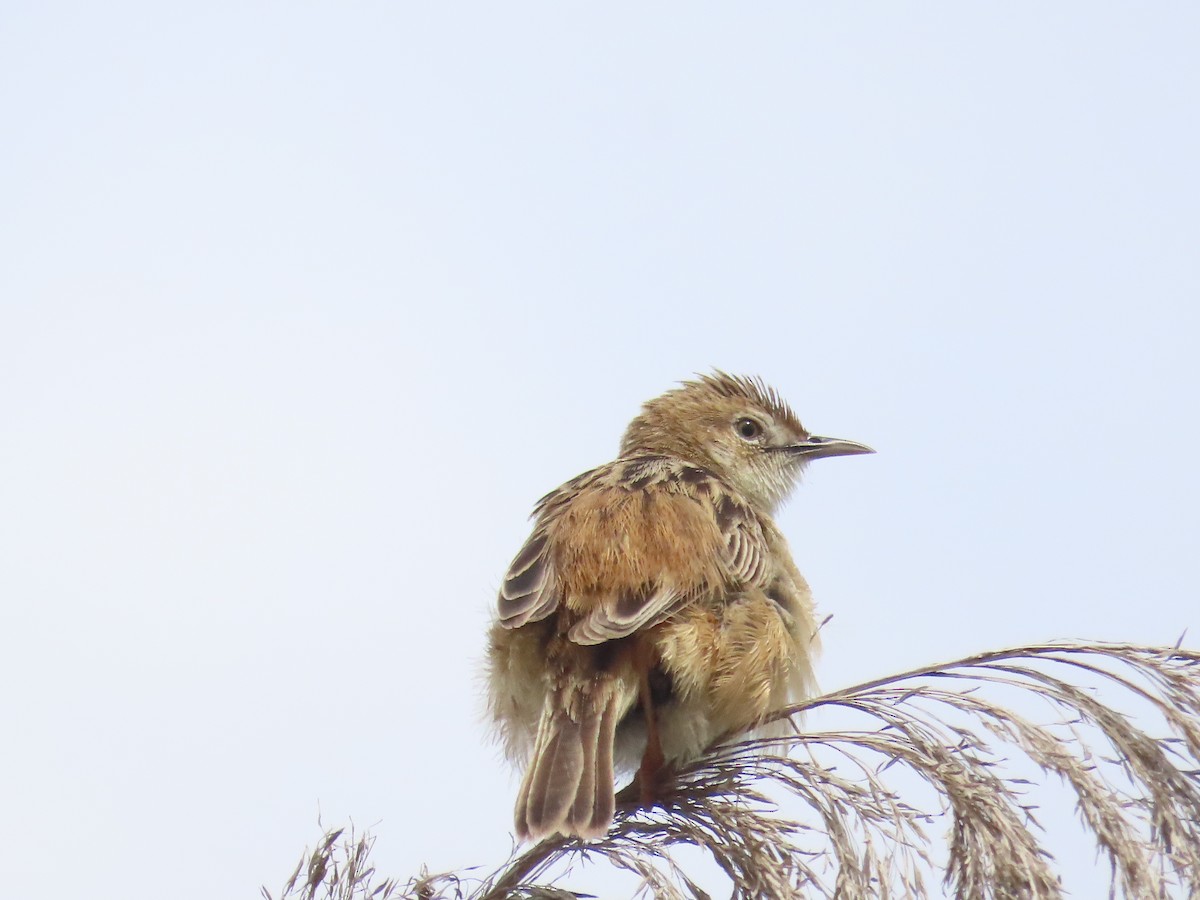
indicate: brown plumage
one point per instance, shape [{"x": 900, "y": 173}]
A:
[{"x": 655, "y": 606}]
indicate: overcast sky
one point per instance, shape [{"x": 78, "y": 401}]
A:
[{"x": 303, "y": 305}]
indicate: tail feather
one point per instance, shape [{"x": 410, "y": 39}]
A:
[
  {"x": 568, "y": 787},
  {"x": 595, "y": 804}
]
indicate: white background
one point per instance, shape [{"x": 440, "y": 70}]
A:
[{"x": 303, "y": 305}]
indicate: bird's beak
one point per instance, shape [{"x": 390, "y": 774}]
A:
[{"x": 815, "y": 447}]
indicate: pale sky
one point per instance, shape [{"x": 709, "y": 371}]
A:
[{"x": 303, "y": 306}]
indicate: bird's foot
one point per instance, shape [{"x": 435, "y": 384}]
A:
[{"x": 650, "y": 787}]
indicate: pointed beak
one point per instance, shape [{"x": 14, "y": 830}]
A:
[{"x": 816, "y": 447}]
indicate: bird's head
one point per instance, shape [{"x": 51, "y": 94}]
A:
[{"x": 737, "y": 428}]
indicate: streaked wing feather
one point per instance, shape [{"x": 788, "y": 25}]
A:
[
  {"x": 621, "y": 616},
  {"x": 745, "y": 544},
  {"x": 528, "y": 593},
  {"x": 747, "y": 553}
]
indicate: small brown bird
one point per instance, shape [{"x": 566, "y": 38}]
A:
[{"x": 655, "y": 606}]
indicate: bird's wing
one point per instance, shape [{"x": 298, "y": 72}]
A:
[
  {"x": 625, "y": 546},
  {"x": 530, "y": 592},
  {"x": 621, "y": 615},
  {"x": 746, "y": 550}
]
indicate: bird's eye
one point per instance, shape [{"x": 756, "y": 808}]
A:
[{"x": 748, "y": 429}]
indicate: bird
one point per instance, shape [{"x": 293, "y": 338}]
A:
[{"x": 655, "y": 607}]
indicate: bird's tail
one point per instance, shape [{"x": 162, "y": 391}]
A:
[{"x": 568, "y": 787}]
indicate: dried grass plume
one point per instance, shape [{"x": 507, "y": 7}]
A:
[{"x": 915, "y": 785}]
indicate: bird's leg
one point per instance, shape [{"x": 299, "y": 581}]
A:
[{"x": 651, "y": 771}]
